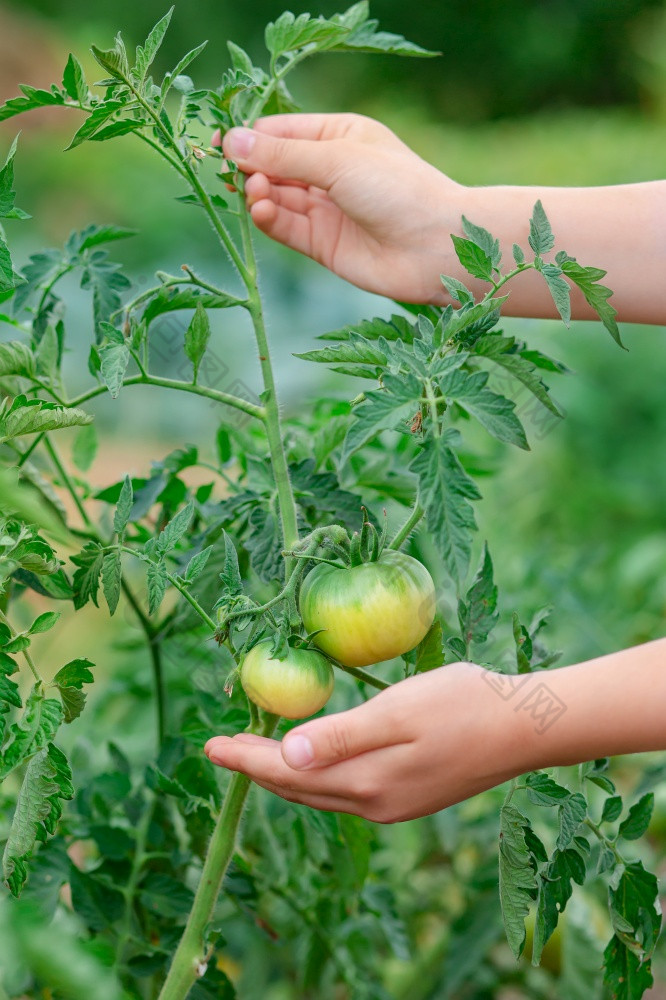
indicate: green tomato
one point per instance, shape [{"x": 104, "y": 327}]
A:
[
  {"x": 370, "y": 612},
  {"x": 295, "y": 687}
]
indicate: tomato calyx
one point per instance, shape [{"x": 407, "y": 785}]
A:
[{"x": 368, "y": 544}]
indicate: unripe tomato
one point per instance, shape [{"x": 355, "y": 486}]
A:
[
  {"x": 371, "y": 612},
  {"x": 295, "y": 687}
]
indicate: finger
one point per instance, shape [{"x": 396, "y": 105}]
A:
[
  {"x": 290, "y": 228},
  {"x": 316, "y": 163},
  {"x": 376, "y": 724},
  {"x": 294, "y": 195},
  {"x": 328, "y": 126},
  {"x": 325, "y": 803}
]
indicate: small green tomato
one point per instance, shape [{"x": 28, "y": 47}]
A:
[{"x": 295, "y": 687}]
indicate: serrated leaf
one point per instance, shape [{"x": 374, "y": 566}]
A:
[
  {"x": 356, "y": 350},
  {"x": 638, "y": 819},
  {"x": 74, "y": 81},
  {"x": 445, "y": 489},
  {"x": 588, "y": 279},
  {"x": 175, "y": 529},
  {"x": 554, "y": 892},
  {"x": 86, "y": 578},
  {"x": 473, "y": 258},
  {"x": 572, "y": 812},
  {"x": 456, "y": 289},
  {"x": 99, "y": 117},
  {"x": 501, "y": 350},
  {"x": 180, "y": 68},
  {"x": 383, "y": 409},
  {"x": 517, "y": 881},
  {"x": 494, "y": 412},
  {"x": 633, "y": 897},
  {"x": 146, "y": 53},
  {"x": 429, "y": 654},
  {"x": 114, "y": 359},
  {"x": 103, "y": 277},
  {"x": 114, "y": 60},
  {"x": 36, "y": 727},
  {"x": 70, "y": 680},
  {"x": 627, "y": 977},
  {"x": 34, "y": 416},
  {"x": 265, "y": 545},
  {"x": 478, "y": 613},
  {"x": 230, "y": 577},
  {"x": 123, "y": 509},
  {"x": 484, "y": 240},
  {"x": 94, "y": 236},
  {"x": 167, "y": 300},
  {"x": 197, "y": 336},
  {"x": 33, "y": 98},
  {"x": 559, "y": 290},
  {"x": 395, "y": 328},
  {"x": 290, "y": 33},
  {"x": 544, "y": 791},
  {"x": 518, "y": 254},
  {"x": 47, "y": 780},
  {"x": 197, "y": 564},
  {"x": 157, "y": 585},
  {"x": 541, "y": 237},
  {"x": 111, "y": 579},
  {"x": 364, "y": 37}
]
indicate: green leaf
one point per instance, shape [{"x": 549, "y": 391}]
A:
[
  {"x": 265, "y": 544},
  {"x": 572, "y": 812},
  {"x": 356, "y": 350},
  {"x": 36, "y": 727},
  {"x": 197, "y": 336},
  {"x": 364, "y": 37},
  {"x": 47, "y": 780},
  {"x": 7, "y": 273},
  {"x": 456, "y": 289},
  {"x": 484, "y": 240},
  {"x": 123, "y": 509},
  {"x": 167, "y": 83},
  {"x": 633, "y": 897},
  {"x": 114, "y": 359},
  {"x": 165, "y": 896},
  {"x": 544, "y": 791},
  {"x": 74, "y": 81},
  {"x": 174, "y": 530},
  {"x": 494, "y": 412},
  {"x": 114, "y": 60},
  {"x": 502, "y": 351},
  {"x": 197, "y": 564},
  {"x": 166, "y": 300},
  {"x": 554, "y": 892},
  {"x": 70, "y": 680},
  {"x": 478, "y": 613},
  {"x": 290, "y": 33},
  {"x": 33, "y": 98},
  {"x": 626, "y": 976},
  {"x": 86, "y": 578},
  {"x": 541, "y": 237},
  {"x": 94, "y": 236},
  {"x": 101, "y": 115},
  {"x": 35, "y": 416},
  {"x": 103, "y": 278},
  {"x": 559, "y": 289},
  {"x": 429, "y": 654},
  {"x": 230, "y": 577},
  {"x": 588, "y": 279},
  {"x": 112, "y": 578},
  {"x": 445, "y": 489},
  {"x": 240, "y": 60},
  {"x": 395, "y": 328},
  {"x": 44, "y": 622},
  {"x": 84, "y": 449},
  {"x": 612, "y": 809},
  {"x": 146, "y": 53},
  {"x": 7, "y": 193},
  {"x": 637, "y": 821},
  {"x": 383, "y": 409},
  {"x": 518, "y": 255},
  {"x": 517, "y": 881},
  {"x": 157, "y": 585},
  {"x": 473, "y": 258}
]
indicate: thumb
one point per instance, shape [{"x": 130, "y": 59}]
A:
[
  {"x": 307, "y": 160},
  {"x": 334, "y": 738}
]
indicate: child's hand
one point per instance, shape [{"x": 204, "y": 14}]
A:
[
  {"x": 346, "y": 191},
  {"x": 417, "y": 747}
]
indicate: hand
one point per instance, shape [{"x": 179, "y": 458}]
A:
[
  {"x": 420, "y": 745},
  {"x": 344, "y": 190}
]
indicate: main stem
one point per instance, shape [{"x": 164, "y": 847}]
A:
[
  {"x": 190, "y": 959},
  {"x": 191, "y": 956}
]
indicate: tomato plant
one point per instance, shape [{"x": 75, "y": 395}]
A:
[{"x": 139, "y": 858}]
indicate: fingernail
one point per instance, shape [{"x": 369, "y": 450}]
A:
[
  {"x": 297, "y": 751},
  {"x": 240, "y": 142}
]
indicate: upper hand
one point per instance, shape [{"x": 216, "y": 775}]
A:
[
  {"x": 422, "y": 744},
  {"x": 344, "y": 190}
]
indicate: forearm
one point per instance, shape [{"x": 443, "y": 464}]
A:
[
  {"x": 621, "y": 229},
  {"x": 612, "y": 705}
]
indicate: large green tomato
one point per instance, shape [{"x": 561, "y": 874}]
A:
[
  {"x": 371, "y": 612},
  {"x": 295, "y": 687}
]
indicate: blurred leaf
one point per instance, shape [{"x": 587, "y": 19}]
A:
[
  {"x": 146, "y": 53},
  {"x": 638, "y": 819},
  {"x": 86, "y": 577},
  {"x": 517, "y": 881},
  {"x": 197, "y": 336},
  {"x": 541, "y": 237},
  {"x": 478, "y": 613},
  {"x": 112, "y": 578},
  {"x": 70, "y": 680},
  {"x": 33, "y": 731},
  {"x": 114, "y": 360},
  {"x": 157, "y": 585}
]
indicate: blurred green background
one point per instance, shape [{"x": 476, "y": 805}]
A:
[
  {"x": 564, "y": 92},
  {"x": 553, "y": 92}
]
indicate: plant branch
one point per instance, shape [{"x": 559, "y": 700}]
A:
[
  {"x": 405, "y": 531},
  {"x": 155, "y": 650},
  {"x": 67, "y": 482},
  {"x": 189, "y": 961},
  {"x": 26, "y": 654}
]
